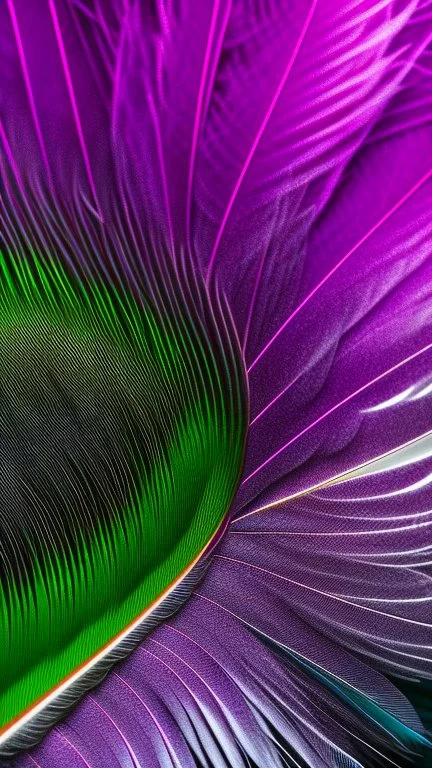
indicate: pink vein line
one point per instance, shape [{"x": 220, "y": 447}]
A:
[
  {"x": 73, "y": 747},
  {"x": 192, "y": 669},
  {"x": 212, "y": 692},
  {"x": 72, "y": 98},
  {"x": 261, "y": 130},
  {"x": 27, "y": 81},
  {"x": 164, "y": 663},
  {"x": 33, "y": 760},
  {"x": 198, "y": 114},
  {"x": 128, "y": 746},
  {"x": 276, "y": 398},
  {"x": 169, "y": 747},
  {"x": 336, "y": 406},
  {"x": 251, "y": 626},
  {"x": 339, "y": 264},
  {"x": 331, "y": 595}
]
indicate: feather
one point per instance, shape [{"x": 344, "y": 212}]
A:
[
  {"x": 368, "y": 284},
  {"x": 284, "y": 128},
  {"x": 102, "y": 416},
  {"x": 190, "y": 190}
]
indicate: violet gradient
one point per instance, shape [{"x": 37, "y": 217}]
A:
[{"x": 285, "y": 145}]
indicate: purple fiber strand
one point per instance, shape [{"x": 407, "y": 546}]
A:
[
  {"x": 86, "y": 11},
  {"x": 198, "y": 645},
  {"x": 104, "y": 26},
  {"x": 336, "y": 406},
  {"x": 327, "y": 534},
  {"x": 117, "y": 70},
  {"x": 223, "y": 608},
  {"x": 251, "y": 626},
  {"x": 422, "y": 69},
  {"x": 198, "y": 115},
  {"x": 408, "y": 125},
  {"x": 206, "y": 652},
  {"x": 276, "y": 398},
  {"x": 132, "y": 754},
  {"x": 38, "y": 765},
  {"x": 11, "y": 159},
  {"x": 159, "y": 145},
  {"x": 258, "y": 137},
  {"x": 86, "y": 47},
  {"x": 156, "y": 722},
  {"x": 29, "y": 89},
  {"x": 218, "y": 50},
  {"x": 202, "y": 680},
  {"x": 362, "y": 240},
  {"x": 167, "y": 666},
  {"x": 253, "y": 300},
  {"x": 164, "y": 663},
  {"x": 72, "y": 98},
  {"x": 323, "y": 592},
  {"x": 73, "y": 747}
]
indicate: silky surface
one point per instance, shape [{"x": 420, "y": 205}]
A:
[{"x": 283, "y": 151}]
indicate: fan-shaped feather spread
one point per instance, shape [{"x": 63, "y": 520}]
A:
[{"x": 282, "y": 151}]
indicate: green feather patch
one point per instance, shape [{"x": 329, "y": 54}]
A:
[{"x": 122, "y": 429}]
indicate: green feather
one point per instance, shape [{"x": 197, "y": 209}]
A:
[{"x": 156, "y": 398}]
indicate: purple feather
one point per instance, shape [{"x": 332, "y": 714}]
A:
[{"x": 284, "y": 151}]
